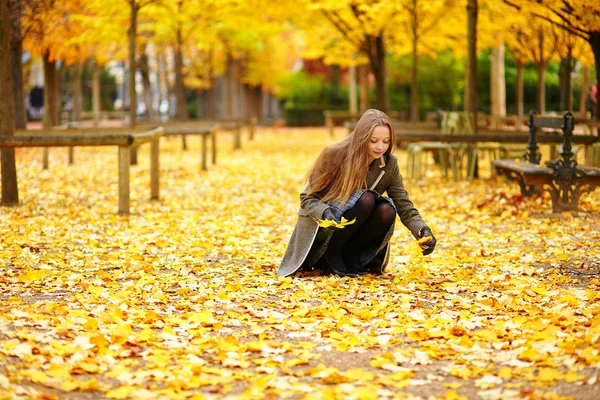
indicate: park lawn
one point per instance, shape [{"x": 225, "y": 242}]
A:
[{"x": 180, "y": 299}]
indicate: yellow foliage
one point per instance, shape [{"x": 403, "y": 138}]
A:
[{"x": 180, "y": 299}]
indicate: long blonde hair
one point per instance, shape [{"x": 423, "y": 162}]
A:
[{"x": 342, "y": 167}]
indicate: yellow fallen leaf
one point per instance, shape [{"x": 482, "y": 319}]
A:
[
  {"x": 327, "y": 223},
  {"x": 423, "y": 240},
  {"x": 31, "y": 276}
]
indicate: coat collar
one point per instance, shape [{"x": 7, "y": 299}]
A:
[
  {"x": 378, "y": 164},
  {"x": 375, "y": 174}
]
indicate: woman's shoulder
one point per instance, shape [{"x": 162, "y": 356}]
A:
[{"x": 391, "y": 160}]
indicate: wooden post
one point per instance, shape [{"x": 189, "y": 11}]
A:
[
  {"x": 45, "y": 158},
  {"x": 124, "y": 160},
  {"x": 71, "y": 156},
  {"x": 154, "y": 169},
  {"x": 213, "y": 136},
  {"x": 329, "y": 124},
  {"x": 252, "y": 127},
  {"x": 203, "y": 162},
  {"x": 589, "y": 155},
  {"x": 237, "y": 136}
]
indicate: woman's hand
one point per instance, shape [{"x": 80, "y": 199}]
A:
[
  {"x": 429, "y": 245},
  {"x": 328, "y": 214}
]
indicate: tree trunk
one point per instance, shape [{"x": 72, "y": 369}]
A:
[
  {"x": 132, "y": 70},
  {"x": 564, "y": 74},
  {"x": 595, "y": 44},
  {"x": 519, "y": 93},
  {"x": 10, "y": 190},
  {"x": 379, "y": 70},
  {"x": 16, "y": 49},
  {"x": 229, "y": 89},
  {"x": 414, "y": 83},
  {"x": 50, "y": 92},
  {"x": 353, "y": 106},
  {"x": 541, "y": 89},
  {"x": 145, "y": 71},
  {"x": 253, "y": 101},
  {"x": 472, "y": 11},
  {"x": 363, "y": 86},
  {"x": 179, "y": 84},
  {"x": 77, "y": 92},
  {"x": 159, "y": 80},
  {"x": 96, "y": 92},
  {"x": 211, "y": 89},
  {"x": 541, "y": 70},
  {"x": 498, "y": 83},
  {"x": 466, "y": 86},
  {"x": 585, "y": 88},
  {"x": 132, "y": 66}
]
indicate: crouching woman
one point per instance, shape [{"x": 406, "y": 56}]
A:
[{"x": 348, "y": 180}]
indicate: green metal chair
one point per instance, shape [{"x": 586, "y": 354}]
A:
[{"x": 418, "y": 152}]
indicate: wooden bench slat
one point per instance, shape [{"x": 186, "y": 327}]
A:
[
  {"x": 548, "y": 122},
  {"x": 65, "y": 140},
  {"x": 523, "y": 167}
]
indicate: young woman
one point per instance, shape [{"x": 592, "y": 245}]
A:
[{"x": 348, "y": 180}]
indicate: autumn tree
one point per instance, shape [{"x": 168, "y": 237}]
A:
[
  {"x": 42, "y": 36},
  {"x": 569, "y": 49},
  {"x": 514, "y": 41},
  {"x": 423, "y": 23},
  {"x": 10, "y": 193},
  {"x": 531, "y": 38},
  {"x": 364, "y": 26},
  {"x": 580, "y": 17},
  {"x": 101, "y": 38},
  {"x": 471, "y": 91},
  {"x": 174, "y": 25},
  {"x": 16, "y": 49}
]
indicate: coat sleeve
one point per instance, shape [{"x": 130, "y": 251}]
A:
[
  {"x": 407, "y": 212},
  {"x": 311, "y": 205}
]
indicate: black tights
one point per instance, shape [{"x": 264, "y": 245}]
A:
[{"x": 374, "y": 217}]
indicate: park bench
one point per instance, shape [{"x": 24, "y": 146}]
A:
[
  {"x": 124, "y": 139},
  {"x": 333, "y": 118},
  {"x": 562, "y": 178},
  {"x": 233, "y": 125}
]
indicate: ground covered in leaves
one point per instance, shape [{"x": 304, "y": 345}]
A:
[{"x": 180, "y": 299}]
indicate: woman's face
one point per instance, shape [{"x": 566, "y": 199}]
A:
[{"x": 379, "y": 142}]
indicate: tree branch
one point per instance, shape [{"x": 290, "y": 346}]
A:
[
  {"x": 345, "y": 31},
  {"x": 569, "y": 26}
]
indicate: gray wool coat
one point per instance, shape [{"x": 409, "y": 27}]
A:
[{"x": 383, "y": 176}]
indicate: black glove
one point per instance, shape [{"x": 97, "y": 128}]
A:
[{"x": 425, "y": 231}]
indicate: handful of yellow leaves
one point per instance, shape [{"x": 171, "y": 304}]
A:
[
  {"x": 421, "y": 242},
  {"x": 328, "y": 223}
]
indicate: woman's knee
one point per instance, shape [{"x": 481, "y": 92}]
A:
[
  {"x": 366, "y": 201},
  {"x": 385, "y": 212}
]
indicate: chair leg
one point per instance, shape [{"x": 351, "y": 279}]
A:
[
  {"x": 471, "y": 161},
  {"x": 454, "y": 163},
  {"x": 444, "y": 162}
]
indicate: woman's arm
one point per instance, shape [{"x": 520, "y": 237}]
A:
[
  {"x": 407, "y": 212},
  {"x": 312, "y": 205}
]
